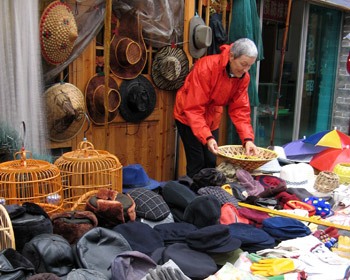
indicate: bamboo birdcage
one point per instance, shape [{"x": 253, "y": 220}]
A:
[
  {"x": 7, "y": 236},
  {"x": 87, "y": 169},
  {"x": 30, "y": 180}
]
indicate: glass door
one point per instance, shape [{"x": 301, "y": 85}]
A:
[{"x": 320, "y": 70}]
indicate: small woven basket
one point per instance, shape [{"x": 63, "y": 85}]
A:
[
  {"x": 235, "y": 154},
  {"x": 326, "y": 181},
  {"x": 343, "y": 171}
]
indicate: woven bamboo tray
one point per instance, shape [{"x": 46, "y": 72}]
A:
[{"x": 235, "y": 154}]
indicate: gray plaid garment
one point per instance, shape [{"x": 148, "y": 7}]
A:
[
  {"x": 149, "y": 205},
  {"x": 222, "y": 195}
]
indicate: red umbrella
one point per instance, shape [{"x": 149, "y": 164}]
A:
[{"x": 328, "y": 159}]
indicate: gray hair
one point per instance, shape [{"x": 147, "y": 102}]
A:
[{"x": 244, "y": 46}]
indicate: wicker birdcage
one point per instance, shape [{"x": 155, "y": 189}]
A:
[
  {"x": 87, "y": 169},
  {"x": 30, "y": 180},
  {"x": 7, "y": 236},
  {"x": 235, "y": 154}
]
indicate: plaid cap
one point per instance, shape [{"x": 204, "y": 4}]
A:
[
  {"x": 149, "y": 205},
  {"x": 222, "y": 195}
]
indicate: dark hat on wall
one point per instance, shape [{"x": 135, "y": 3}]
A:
[
  {"x": 169, "y": 68},
  {"x": 94, "y": 94},
  {"x": 200, "y": 37},
  {"x": 128, "y": 54},
  {"x": 58, "y": 32},
  {"x": 65, "y": 108},
  {"x": 138, "y": 99}
]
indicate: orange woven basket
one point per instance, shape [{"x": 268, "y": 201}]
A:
[
  {"x": 235, "y": 154},
  {"x": 85, "y": 170}
]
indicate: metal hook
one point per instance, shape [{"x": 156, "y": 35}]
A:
[
  {"x": 24, "y": 133},
  {"x": 89, "y": 123}
]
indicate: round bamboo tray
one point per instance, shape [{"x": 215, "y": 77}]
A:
[
  {"x": 7, "y": 236},
  {"x": 235, "y": 154}
]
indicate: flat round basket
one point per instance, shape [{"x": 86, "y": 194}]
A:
[{"x": 235, "y": 154}]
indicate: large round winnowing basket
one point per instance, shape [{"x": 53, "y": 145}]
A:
[
  {"x": 31, "y": 180},
  {"x": 87, "y": 169},
  {"x": 235, "y": 154},
  {"x": 7, "y": 236}
]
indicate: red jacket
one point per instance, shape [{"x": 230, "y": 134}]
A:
[{"x": 207, "y": 88}]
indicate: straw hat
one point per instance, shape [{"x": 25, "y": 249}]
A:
[
  {"x": 58, "y": 32},
  {"x": 169, "y": 68},
  {"x": 200, "y": 37},
  {"x": 65, "y": 111},
  {"x": 94, "y": 94},
  {"x": 128, "y": 50},
  {"x": 138, "y": 99}
]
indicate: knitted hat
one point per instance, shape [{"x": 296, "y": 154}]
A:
[
  {"x": 252, "y": 186},
  {"x": 322, "y": 207},
  {"x": 58, "y": 32}
]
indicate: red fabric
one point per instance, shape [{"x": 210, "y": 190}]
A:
[
  {"x": 284, "y": 197},
  {"x": 230, "y": 215},
  {"x": 207, "y": 88}
]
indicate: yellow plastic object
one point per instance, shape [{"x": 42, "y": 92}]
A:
[
  {"x": 343, "y": 248},
  {"x": 343, "y": 171},
  {"x": 272, "y": 267}
]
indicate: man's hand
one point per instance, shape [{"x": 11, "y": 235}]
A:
[
  {"x": 213, "y": 146},
  {"x": 250, "y": 149}
]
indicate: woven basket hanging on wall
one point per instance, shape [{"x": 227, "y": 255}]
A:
[
  {"x": 30, "y": 180},
  {"x": 87, "y": 169}
]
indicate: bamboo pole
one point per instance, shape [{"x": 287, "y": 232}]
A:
[
  {"x": 317, "y": 221},
  {"x": 106, "y": 44},
  {"x": 283, "y": 51}
]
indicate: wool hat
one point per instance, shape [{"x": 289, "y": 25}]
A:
[
  {"x": 169, "y": 68},
  {"x": 73, "y": 224},
  {"x": 97, "y": 248},
  {"x": 85, "y": 274},
  {"x": 65, "y": 109},
  {"x": 50, "y": 253},
  {"x": 149, "y": 204},
  {"x": 222, "y": 195},
  {"x": 140, "y": 236},
  {"x": 213, "y": 239},
  {"x": 128, "y": 54},
  {"x": 209, "y": 177},
  {"x": 200, "y": 37},
  {"x": 138, "y": 99},
  {"x": 322, "y": 207},
  {"x": 252, "y": 238},
  {"x": 202, "y": 211},
  {"x": 131, "y": 265},
  {"x": 283, "y": 228},
  {"x": 44, "y": 276},
  {"x": 299, "y": 175},
  {"x": 252, "y": 186},
  {"x": 15, "y": 265},
  {"x": 28, "y": 221},
  {"x": 58, "y": 32},
  {"x": 193, "y": 263},
  {"x": 174, "y": 232},
  {"x": 95, "y": 94},
  {"x": 111, "y": 208},
  {"x": 230, "y": 215},
  {"x": 135, "y": 176},
  {"x": 177, "y": 194}
]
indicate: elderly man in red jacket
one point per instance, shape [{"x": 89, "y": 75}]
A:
[{"x": 215, "y": 81}]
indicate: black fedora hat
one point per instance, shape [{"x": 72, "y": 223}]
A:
[{"x": 138, "y": 99}]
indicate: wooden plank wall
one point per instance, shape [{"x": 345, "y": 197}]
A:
[{"x": 151, "y": 143}]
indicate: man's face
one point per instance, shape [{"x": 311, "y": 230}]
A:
[{"x": 240, "y": 65}]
